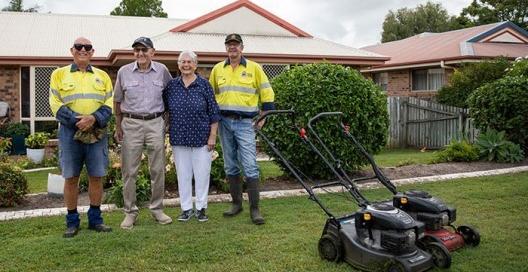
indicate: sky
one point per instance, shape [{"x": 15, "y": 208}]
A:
[{"x": 355, "y": 23}]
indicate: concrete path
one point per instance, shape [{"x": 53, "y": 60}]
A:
[{"x": 174, "y": 202}]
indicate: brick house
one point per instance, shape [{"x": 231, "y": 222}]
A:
[
  {"x": 35, "y": 44},
  {"x": 422, "y": 64}
]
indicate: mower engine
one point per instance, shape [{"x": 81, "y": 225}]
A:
[
  {"x": 433, "y": 212},
  {"x": 382, "y": 226}
]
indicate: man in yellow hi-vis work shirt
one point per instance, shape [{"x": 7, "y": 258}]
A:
[
  {"x": 240, "y": 85},
  {"x": 81, "y": 100}
]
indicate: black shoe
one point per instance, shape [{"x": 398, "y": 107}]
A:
[
  {"x": 186, "y": 215},
  {"x": 201, "y": 215},
  {"x": 100, "y": 228},
  {"x": 71, "y": 232}
]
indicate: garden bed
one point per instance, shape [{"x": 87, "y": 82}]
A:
[{"x": 42, "y": 200}]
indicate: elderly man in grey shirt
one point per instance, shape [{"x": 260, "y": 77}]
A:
[{"x": 139, "y": 107}]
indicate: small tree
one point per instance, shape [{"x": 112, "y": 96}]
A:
[
  {"x": 314, "y": 88},
  {"x": 468, "y": 78},
  {"x": 18, "y": 6},
  {"x": 141, "y": 8}
]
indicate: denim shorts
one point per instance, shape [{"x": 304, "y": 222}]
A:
[{"x": 73, "y": 155}]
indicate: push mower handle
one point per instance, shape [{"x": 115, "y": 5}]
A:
[
  {"x": 274, "y": 112},
  {"x": 320, "y": 115}
]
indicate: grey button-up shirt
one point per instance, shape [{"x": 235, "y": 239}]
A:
[{"x": 141, "y": 92}]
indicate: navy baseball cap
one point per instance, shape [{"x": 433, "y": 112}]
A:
[{"x": 147, "y": 42}]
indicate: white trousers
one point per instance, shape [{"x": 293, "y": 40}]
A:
[{"x": 191, "y": 161}]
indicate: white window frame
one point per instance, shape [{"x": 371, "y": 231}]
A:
[{"x": 32, "y": 104}]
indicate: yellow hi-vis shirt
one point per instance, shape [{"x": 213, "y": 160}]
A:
[
  {"x": 239, "y": 90},
  {"x": 83, "y": 93}
]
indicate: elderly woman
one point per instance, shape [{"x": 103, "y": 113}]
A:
[{"x": 193, "y": 122}]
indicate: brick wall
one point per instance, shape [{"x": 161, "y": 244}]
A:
[
  {"x": 399, "y": 83},
  {"x": 10, "y": 88}
]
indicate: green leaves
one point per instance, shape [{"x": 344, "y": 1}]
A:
[
  {"x": 457, "y": 151},
  {"x": 501, "y": 105},
  {"x": 37, "y": 140},
  {"x": 314, "y": 88},
  {"x": 493, "y": 146},
  {"x": 13, "y": 185},
  {"x": 141, "y": 8},
  {"x": 470, "y": 77}
]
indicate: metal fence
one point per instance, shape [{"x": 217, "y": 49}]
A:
[{"x": 420, "y": 123}]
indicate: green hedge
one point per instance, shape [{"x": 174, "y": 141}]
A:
[
  {"x": 13, "y": 185},
  {"x": 502, "y": 106},
  {"x": 315, "y": 88}
]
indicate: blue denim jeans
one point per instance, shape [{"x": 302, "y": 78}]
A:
[{"x": 239, "y": 147}]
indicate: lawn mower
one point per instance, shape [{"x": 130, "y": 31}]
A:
[
  {"x": 441, "y": 236},
  {"x": 377, "y": 237}
]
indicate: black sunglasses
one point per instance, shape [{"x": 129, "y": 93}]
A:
[
  {"x": 142, "y": 49},
  {"x": 79, "y": 47}
]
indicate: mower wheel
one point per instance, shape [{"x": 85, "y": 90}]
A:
[
  {"x": 396, "y": 266},
  {"x": 441, "y": 256},
  {"x": 470, "y": 234},
  {"x": 330, "y": 248}
]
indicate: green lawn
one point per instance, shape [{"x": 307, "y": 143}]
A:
[
  {"x": 287, "y": 242},
  {"x": 399, "y": 157},
  {"x": 38, "y": 181}
]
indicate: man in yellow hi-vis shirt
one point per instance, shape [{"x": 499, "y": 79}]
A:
[
  {"x": 81, "y": 100},
  {"x": 240, "y": 86}
]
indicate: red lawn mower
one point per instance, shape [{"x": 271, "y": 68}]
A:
[{"x": 441, "y": 235}]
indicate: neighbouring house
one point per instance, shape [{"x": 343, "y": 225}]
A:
[
  {"x": 34, "y": 44},
  {"x": 422, "y": 64}
]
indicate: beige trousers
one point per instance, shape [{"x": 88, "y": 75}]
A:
[{"x": 137, "y": 135}]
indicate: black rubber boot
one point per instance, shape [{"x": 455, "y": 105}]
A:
[
  {"x": 254, "y": 197},
  {"x": 235, "y": 189}
]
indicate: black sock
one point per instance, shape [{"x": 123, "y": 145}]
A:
[
  {"x": 98, "y": 207},
  {"x": 72, "y": 211}
]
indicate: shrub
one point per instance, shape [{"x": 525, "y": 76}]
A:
[
  {"x": 38, "y": 140},
  {"x": 493, "y": 146},
  {"x": 501, "y": 105},
  {"x": 13, "y": 129},
  {"x": 457, "y": 151},
  {"x": 468, "y": 78},
  {"x": 519, "y": 67},
  {"x": 115, "y": 194},
  {"x": 5, "y": 146},
  {"x": 314, "y": 88},
  {"x": 13, "y": 185},
  {"x": 217, "y": 170}
]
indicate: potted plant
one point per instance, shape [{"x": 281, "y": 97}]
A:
[
  {"x": 36, "y": 144},
  {"x": 17, "y": 132}
]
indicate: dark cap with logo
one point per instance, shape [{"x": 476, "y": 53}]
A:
[
  {"x": 147, "y": 42},
  {"x": 233, "y": 37}
]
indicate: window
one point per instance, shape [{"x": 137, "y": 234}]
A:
[
  {"x": 382, "y": 80},
  {"x": 427, "y": 79},
  {"x": 34, "y": 93}
]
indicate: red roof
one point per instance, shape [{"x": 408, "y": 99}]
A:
[
  {"x": 234, "y": 6},
  {"x": 452, "y": 45}
]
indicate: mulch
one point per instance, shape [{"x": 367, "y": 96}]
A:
[{"x": 41, "y": 201}]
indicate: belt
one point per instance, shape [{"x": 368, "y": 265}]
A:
[
  {"x": 234, "y": 116},
  {"x": 143, "y": 117}
]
